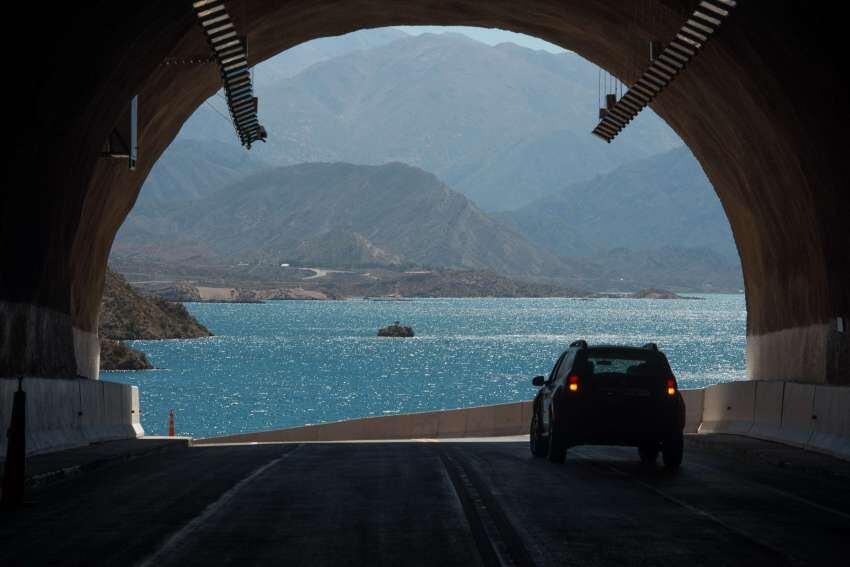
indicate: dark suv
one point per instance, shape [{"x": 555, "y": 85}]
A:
[{"x": 609, "y": 395}]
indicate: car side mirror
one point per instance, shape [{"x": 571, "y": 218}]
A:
[{"x": 538, "y": 380}]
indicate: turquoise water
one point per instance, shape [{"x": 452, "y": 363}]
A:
[{"x": 287, "y": 363}]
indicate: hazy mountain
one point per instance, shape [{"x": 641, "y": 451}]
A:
[
  {"x": 296, "y": 59},
  {"x": 664, "y": 200},
  {"x": 333, "y": 214},
  {"x": 502, "y": 124},
  {"x": 194, "y": 168},
  {"x": 669, "y": 267},
  {"x": 657, "y": 218}
]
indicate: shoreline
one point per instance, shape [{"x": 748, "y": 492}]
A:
[{"x": 403, "y": 299}]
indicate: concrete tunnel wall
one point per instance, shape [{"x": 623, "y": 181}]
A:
[{"x": 763, "y": 108}]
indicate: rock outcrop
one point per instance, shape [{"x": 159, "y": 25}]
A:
[
  {"x": 126, "y": 315},
  {"x": 395, "y": 330},
  {"x": 652, "y": 293},
  {"x": 115, "y": 355}
]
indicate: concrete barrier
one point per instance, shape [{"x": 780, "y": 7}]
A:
[
  {"x": 693, "y": 408},
  {"x": 502, "y": 419},
  {"x": 729, "y": 408},
  {"x": 136, "y": 413},
  {"x": 115, "y": 420},
  {"x": 767, "y": 411},
  {"x": 481, "y": 421},
  {"x": 66, "y": 413},
  {"x": 797, "y": 410},
  {"x": 69, "y": 413},
  {"x": 803, "y": 415},
  {"x": 53, "y": 415},
  {"x": 831, "y": 417},
  {"x": 527, "y": 410}
]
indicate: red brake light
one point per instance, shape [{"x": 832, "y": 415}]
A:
[
  {"x": 671, "y": 386},
  {"x": 573, "y": 383}
]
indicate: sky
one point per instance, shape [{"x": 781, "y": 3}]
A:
[{"x": 490, "y": 36}]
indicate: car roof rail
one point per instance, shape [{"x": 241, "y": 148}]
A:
[
  {"x": 581, "y": 343},
  {"x": 650, "y": 346}
]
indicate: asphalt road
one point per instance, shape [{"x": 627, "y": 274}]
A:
[{"x": 422, "y": 503}]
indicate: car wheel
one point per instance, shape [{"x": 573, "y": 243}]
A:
[
  {"x": 539, "y": 444},
  {"x": 671, "y": 451},
  {"x": 557, "y": 452},
  {"x": 648, "y": 453}
]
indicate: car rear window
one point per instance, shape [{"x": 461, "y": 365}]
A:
[{"x": 633, "y": 362}]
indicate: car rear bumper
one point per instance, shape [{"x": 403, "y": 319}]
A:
[
  {"x": 590, "y": 424},
  {"x": 631, "y": 440}
]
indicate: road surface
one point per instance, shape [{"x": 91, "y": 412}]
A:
[{"x": 426, "y": 503}]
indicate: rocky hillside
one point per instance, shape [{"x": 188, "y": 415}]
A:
[
  {"x": 126, "y": 315},
  {"x": 333, "y": 214},
  {"x": 366, "y": 283},
  {"x": 442, "y": 283},
  {"x": 115, "y": 355}
]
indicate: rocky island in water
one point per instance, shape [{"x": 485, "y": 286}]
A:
[
  {"x": 652, "y": 293},
  {"x": 395, "y": 330}
]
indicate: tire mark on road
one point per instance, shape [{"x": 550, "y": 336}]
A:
[{"x": 497, "y": 541}]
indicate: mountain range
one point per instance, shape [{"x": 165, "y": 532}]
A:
[
  {"x": 333, "y": 214},
  {"x": 501, "y": 124},
  {"x": 192, "y": 169},
  {"x": 395, "y": 216},
  {"x": 662, "y": 200},
  {"x": 503, "y": 175}
]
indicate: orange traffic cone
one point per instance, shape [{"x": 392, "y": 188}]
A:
[{"x": 171, "y": 423}]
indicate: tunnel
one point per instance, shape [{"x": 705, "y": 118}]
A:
[{"x": 762, "y": 108}]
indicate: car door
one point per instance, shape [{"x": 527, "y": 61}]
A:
[
  {"x": 546, "y": 393},
  {"x": 559, "y": 380}
]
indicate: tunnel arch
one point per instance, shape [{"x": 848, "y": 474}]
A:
[{"x": 769, "y": 145}]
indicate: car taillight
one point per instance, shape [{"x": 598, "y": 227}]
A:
[
  {"x": 671, "y": 386},
  {"x": 573, "y": 382}
]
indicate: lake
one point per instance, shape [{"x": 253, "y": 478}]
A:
[{"x": 287, "y": 363}]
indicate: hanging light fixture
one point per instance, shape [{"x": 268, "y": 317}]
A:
[
  {"x": 666, "y": 63},
  {"x": 231, "y": 54}
]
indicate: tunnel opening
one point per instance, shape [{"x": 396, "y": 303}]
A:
[
  {"x": 739, "y": 93},
  {"x": 151, "y": 259}
]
